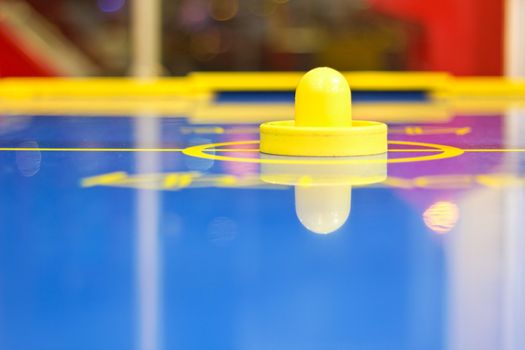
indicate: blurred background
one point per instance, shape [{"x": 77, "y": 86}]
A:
[{"x": 104, "y": 37}]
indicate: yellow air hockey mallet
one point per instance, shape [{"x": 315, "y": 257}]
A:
[{"x": 323, "y": 125}]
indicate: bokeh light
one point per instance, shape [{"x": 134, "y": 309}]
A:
[
  {"x": 224, "y": 10},
  {"x": 28, "y": 162},
  {"x": 441, "y": 217},
  {"x": 205, "y": 45},
  {"x": 109, "y": 6},
  {"x": 222, "y": 230}
]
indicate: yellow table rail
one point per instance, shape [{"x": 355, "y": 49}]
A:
[{"x": 202, "y": 85}]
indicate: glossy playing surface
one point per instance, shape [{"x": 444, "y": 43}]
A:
[{"x": 168, "y": 231}]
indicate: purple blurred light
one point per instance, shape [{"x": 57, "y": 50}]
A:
[{"x": 110, "y": 5}]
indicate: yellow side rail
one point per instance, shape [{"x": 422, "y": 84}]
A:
[{"x": 202, "y": 85}]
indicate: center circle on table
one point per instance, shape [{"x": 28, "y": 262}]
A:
[{"x": 444, "y": 152}]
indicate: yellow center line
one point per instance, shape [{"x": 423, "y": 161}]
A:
[
  {"x": 240, "y": 150},
  {"x": 91, "y": 149},
  {"x": 487, "y": 150}
]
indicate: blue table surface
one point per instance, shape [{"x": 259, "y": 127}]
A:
[{"x": 119, "y": 246}]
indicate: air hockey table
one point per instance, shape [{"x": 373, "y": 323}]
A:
[{"x": 141, "y": 215}]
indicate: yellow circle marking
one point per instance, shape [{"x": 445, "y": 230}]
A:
[{"x": 446, "y": 152}]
